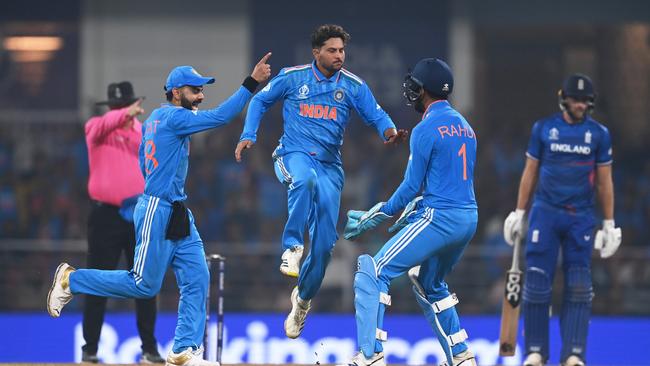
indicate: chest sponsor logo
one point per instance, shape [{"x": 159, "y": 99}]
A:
[
  {"x": 570, "y": 149},
  {"x": 553, "y": 134},
  {"x": 317, "y": 111},
  {"x": 303, "y": 92}
]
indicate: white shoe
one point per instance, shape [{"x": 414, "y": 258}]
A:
[
  {"x": 574, "y": 360},
  {"x": 534, "y": 359},
  {"x": 291, "y": 261},
  {"x": 360, "y": 360},
  {"x": 465, "y": 358},
  {"x": 59, "y": 294},
  {"x": 189, "y": 357},
  {"x": 296, "y": 319}
]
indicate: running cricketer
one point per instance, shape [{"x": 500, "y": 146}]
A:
[
  {"x": 438, "y": 226},
  {"x": 318, "y": 99},
  {"x": 165, "y": 229},
  {"x": 569, "y": 154}
]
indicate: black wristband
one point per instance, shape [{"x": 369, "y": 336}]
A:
[{"x": 250, "y": 84}]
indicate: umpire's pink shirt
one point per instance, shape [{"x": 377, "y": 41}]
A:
[{"x": 113, "y": 157}]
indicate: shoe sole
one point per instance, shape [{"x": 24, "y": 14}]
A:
[
  {"x": 49, "y": 294},
  {"x": 287, "y": 273}
]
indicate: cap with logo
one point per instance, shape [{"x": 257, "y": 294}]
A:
[{"x": 186, "y": 76}]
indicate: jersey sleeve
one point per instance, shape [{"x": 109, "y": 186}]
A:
[
  {"x": 186, "y": 122},
  {"x": 604, "y": 149},
  {"x": 261, "y": 102},
  {"x": 535, "y": 145},
  {"x": 370, "y": 111},
  {"x": 421, "y": 146}
]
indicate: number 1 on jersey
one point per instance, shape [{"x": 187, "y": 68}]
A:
[{"x": 463, "y": 152}]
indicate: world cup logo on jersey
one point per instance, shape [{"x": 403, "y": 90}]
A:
[
  {"x": 303, "y": 91},
  {"x": 588, "y": 137},
  {"x": 553, "y": 134}
]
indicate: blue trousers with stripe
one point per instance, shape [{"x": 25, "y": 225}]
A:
[
  {"x": 435, "y": 240},
  {"x": 314, "y": 196},
  {"x": 153, "y": 255}
]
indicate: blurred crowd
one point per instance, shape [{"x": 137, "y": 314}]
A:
[{"x": 43, "y": 196}]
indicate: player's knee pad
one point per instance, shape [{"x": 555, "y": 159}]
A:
[
  {"x": 578, "y": 285},
  {"x": 537, "y": 299},
  {"x": 443, "y": 319},
  {"x": 537, "y": 286},
  {"x": 367, "y": 298},
  {"x": 576, "y": 310}
]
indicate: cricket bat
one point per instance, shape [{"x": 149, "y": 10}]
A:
[{"x": 511, "y": 305}]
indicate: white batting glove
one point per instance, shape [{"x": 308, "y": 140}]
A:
[
  {"x": 515, "y": 225},
  {"x": 608, "y": 239}
]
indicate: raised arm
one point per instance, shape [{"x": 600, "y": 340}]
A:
[
  {"x": 187, "y": 122},
  {"x": 98, "y": 128}
]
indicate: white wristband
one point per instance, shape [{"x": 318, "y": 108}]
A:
[{"x": 608, "y": 224}]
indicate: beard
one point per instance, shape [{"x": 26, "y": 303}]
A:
[
  {"x": 419, "y": 105},
  {"x": 185, "y": 103},
  {"x": 333, "y": 67}
]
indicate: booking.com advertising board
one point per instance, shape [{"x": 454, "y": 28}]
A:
[{"x": 259, "y": 338}]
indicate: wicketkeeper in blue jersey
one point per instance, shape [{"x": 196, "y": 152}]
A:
[
  {"x": 434, "y": 229},
  {"x": 165, "y": 231},
  {"x": 318, "y": 100},
  {"x": 569, "y": 155}
]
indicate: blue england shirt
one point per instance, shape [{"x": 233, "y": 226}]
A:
[
  {"x": 568, "y": 155},
  {"x": 441, "y": 164},
  {"x": 316, "y": 110},
  {"x": 165, "y": 147}
]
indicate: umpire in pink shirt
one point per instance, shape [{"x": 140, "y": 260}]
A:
[{"x": 114, "y": 185}]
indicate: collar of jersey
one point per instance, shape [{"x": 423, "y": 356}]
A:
[
  {"x": 167, "y": 104},
  {"x": 440, "y": 103},
  {"x": 320, "y": 77}
]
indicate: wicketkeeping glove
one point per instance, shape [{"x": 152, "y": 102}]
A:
[
  {"x": 410, "y": 209},
  {"x": 608, "y": 239},
  {"x": 362, "y": 221}
]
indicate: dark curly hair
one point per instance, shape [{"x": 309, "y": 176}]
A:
[{"x": 327, "y": 31}]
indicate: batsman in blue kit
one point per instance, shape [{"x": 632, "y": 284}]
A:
[
  {"x": 569, "y": 155},
  {"x": 165, "y": 229},
  {"x": 318, "y": 99},
  {"x": 434, "y": 229}
]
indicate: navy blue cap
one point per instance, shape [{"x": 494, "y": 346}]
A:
[
  {"x": 578, "y": 85},
  {"x": 186, "y": 75},
  {"x": 435, "y": 76}
]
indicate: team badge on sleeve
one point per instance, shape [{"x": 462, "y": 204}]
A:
[{"x": 339, "y": 95}]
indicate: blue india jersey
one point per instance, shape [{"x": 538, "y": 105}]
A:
[
  {"x": 165, "y": 147},
  {"x": 568, "y": 155},
  {"x": 441, "y": 164},
  {"x": 316, "y": 110}
]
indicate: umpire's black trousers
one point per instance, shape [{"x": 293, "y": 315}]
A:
[{"x": 108, "y": 236}]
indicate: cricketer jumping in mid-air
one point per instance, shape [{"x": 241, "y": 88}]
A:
[{"x": 318, "y": 100}]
